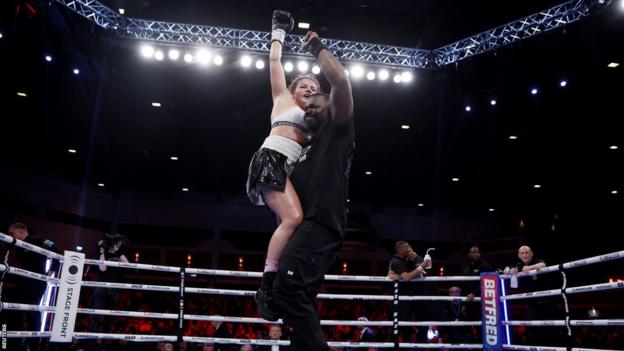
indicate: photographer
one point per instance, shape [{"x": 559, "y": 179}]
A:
[{"x": 108, "y": 249}]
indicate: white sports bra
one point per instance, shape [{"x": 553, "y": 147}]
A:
[{"x": 294, "y": 118}]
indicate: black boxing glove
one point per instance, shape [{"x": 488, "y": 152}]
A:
[{"x": 281, "y": 24}]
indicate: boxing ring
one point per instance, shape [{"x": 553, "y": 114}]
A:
[{"x": 495, "y": 324}]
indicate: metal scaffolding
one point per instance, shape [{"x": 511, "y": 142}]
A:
[{"x": 376, "y": 54}]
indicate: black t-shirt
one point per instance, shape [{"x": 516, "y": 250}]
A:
[
  {"x": 531, "y": 283},
  {"x": 321, "y": 175},
  {"x": 111, "y": 274},
  {"x": 32, "y": 261},
  {"x": 399, "y": 266},
  {"x": 475, "y": 269}
]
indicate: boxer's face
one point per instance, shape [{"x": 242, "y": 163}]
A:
[{"x": 304, "y": 88}]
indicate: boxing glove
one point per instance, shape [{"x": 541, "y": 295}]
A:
[{"x": 281, "y": 24}]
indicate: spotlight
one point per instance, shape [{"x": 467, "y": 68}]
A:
[
  {"x": 173, "y": 158},
  {"x": 156, "y": 104},
  {"x": 613, "y": 65},
  {"x": 468, "y": 108},
  {"x": 513, "y": 137},
  {"x": 613, "y": 147},
  {"x": 22, "y": 94},
  {"x": 76, "y": 71},
  {"x": 302, "y": 66},
  {"x": 218, "y": 60},
  {"x": 101, "y": 185},
  {"x": 563, "y": 83},
  {"x": 259, "y": 64},
  {"x": 288, "y": 66},
  {"x": 303, "y": 25},
  {"x": 48, "y": 58},
  {"x": 357, "y": 71},
  {"x": 1, "y": 35},
  {"x": 185, "y": 189},
  {"x": 203, "y": 56},
  {"x": 614, "y": 192},
  {"x": 368, "y": 173},
  {"x": 245, "y": 61},
  {"x": 383, "y": 74},
  {"x": 455, "y": 179},
  {"x": 493, "y": 102},
  {"x": 406, "y": 77},
  {"x": 174, "y": 54},
  {"x": 370, "y": 75},
  {"x": 537, "y": 186},
  {"x": 158, "y": 55},
  {"x": 78, "y": 248},
  {"x": 188, "y": 58},
  {"x": 72, "y": 151},
  {"x": 397, "y": 78},
  {"x": 533, "y": 91},
  {"x": 122, "y": 11},
  {"x": 147, "y": 51},
  {"x": 316, "y": 69},
  {"x": 405, "y": 126}
]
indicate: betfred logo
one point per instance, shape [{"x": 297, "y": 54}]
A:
[
  {"x": 490, "y": 316},
  {"x": 491, "y": 311}
]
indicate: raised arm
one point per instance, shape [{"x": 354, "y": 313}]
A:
[
  {"x": 341, "y": 97},
  {"x": 281, "y": 24}
]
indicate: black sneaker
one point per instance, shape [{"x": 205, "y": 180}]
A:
[{"x": 264, "y": 304}]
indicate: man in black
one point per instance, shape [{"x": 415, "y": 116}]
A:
[
  {"x": 407, "y": 265},
  {"x": 26, "y": 290},
  {"x": 537, "y": 309},
  {"x": 475, "y": 267},
  {"x": 108, "y": 249},
  {"x": 320, "y": 179}
]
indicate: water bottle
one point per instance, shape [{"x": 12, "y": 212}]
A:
[
  {"x": 428, "y": 258},
  {"x": 514, "y": 282}
]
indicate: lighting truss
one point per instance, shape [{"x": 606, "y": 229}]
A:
[
  {"x": 518, "y": 30},
  {"x": 376, "y": 54}
]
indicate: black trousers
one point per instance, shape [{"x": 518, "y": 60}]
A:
[
  {"x": 307, "y": 257},
  {"x": 105, "y": 299}
]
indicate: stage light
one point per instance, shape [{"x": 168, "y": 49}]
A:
[
  {"x": 383, "y": 74},
  {"x": 76, "y": 71},
  {"x": 537, "y": 186},
  {"x": 122, "y": 11},
  {"x": 174, "y": 54},
  {"x": 357, "y": 71},
  {"x": 72, "y": 151},
  {"x": 563, "y": 83},
  {"x": 405, "y": 126},
  {"x": 316, "y": 69},
  {"x": 370, "y": 75},
  {"x": 155, "y": 104},
  {"x": 48, "y": 58},
  {"x": 397, "y": 78},
  {"x": 185, "y": 189},
  {"x": 406, "y": 77},
  {"x": 188, "y": 57},
  {"x": 493, "y": 102},
  {"x": 147, "y": 51},
  {"x": 303, "y": 25},
  {"x": 203, "y": 56},
  {"x": 302, "y": 66},
  {"x": 533, "y": 91},
  {"x": 288, "y": 66},
  {"x": 468, "y": 108},
  {"x": 173, "y": 158},
  {"x": 259, "y": 64},
  {"x": 245, "y": 61},
  {"x": 217, "y": 60},
  {"x": 158, "y": 55},
  {"x": 101, "y": 185}
]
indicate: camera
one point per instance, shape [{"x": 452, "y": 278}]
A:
[{"x": 110, "y": 240}]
